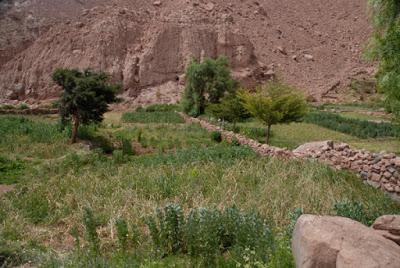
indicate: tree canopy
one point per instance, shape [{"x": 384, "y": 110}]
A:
[
  {"x": 207, "y": 81},
  {"x": 275, "y": 103},
  {"x": 386, "y": 48},
  {"x": 85, "y": 97}
]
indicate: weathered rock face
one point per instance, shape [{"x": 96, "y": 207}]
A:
[
  {"x": 115, "y": 45},
  {"x": 341, "y": 242},
  {"x": 389, "y": 227},
  {"x": 144, "y": 44}
]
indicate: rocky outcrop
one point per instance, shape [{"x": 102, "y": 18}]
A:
[
  {"x": 340, "y": 242},
  {"x": 144, "y": 45}
]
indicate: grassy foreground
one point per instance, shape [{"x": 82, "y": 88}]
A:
[{"x": 47, "y": 220}]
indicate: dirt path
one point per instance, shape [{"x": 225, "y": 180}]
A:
[{"x": 6, "y": 188}]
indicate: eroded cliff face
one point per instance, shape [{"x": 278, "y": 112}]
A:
[{"x": 146, "y": 46}]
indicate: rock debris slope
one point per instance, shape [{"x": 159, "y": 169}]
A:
[{"x": 145, "y": 45}]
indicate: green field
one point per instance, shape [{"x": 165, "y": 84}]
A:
[{"x": 46, "y": 221}]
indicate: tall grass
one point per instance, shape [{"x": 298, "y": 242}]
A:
[{"x": 153, "y": 117}]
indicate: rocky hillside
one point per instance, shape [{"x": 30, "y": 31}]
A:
[{"x": 145, "y": 45}]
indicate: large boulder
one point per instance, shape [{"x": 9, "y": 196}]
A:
[
  {"x": 389, "y": 227},
  {"x": 324, "y": 241},
  {"x": 317, "y": 146}
]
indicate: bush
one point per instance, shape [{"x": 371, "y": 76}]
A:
[
  {"x": 356, "y": 211},
  {"x": 206, "y": 234},
  {"x": 235, "y": 142},
  {"x": 206, "y": 82},
  {"x": 216, "y": 136},
  {"x": 359, "y": 128},
  {"x": 127, "y": 148}
]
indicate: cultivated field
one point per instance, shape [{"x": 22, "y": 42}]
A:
[{"x": 94, "y": 204}]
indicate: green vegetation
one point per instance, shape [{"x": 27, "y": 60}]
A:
[
  {"x": 206, "y": 82},
  {"x": 275, "y": 103},
  {"x": 230, "y": 109},
  {"x": 152, "y": 117},
  {"x": 216, "y": 136},
  {"x": 385, "y": 47},
  {"x": 359, "y": 128},
  {"x": 10, "y": 170},
  {"x": 75, "y": 206},
  {"x": 85, "y": 97}
]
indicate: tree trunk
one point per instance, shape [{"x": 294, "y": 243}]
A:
[
  {"x": 75, "y": 126},
  {"x": 268, "y": 134}
]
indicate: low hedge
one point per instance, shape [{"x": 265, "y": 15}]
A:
[{"x": 355, "y": 127}]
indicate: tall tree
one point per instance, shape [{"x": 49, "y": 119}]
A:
[
  {"x": 206, "y": 81},
  {"x": 386, "y": 48},
  {"x": 85, "y": 98},
  {"x": 275, "y": 103}
]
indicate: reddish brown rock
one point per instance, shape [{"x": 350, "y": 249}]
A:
[{"x": 340, "y": 242}]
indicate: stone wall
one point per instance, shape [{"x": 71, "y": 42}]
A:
[{"x": 378, "y": 170}]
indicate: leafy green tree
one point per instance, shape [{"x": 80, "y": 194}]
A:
[
  {"x": 206, "y": 81},
  {"x": 275, "y": 103},
  {"x": 85, "y": 97},
  {"x": 386, "y": 48},
  {"x": 230, "y": 109}
]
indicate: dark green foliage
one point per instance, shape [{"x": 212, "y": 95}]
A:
[
  {"x": 34, "y": 205},
  {"x": 85, "y": 97},
  {"x": 207, "y": 233},
  {"x": 294, "y": 216},
  {"x": 122, "y": 233},
  {"x": 10, "y": 170},
  {"x": 127, "y": 148},
  {"x": 359, "y": 128},
  {"x": 160, "y": 108},
  {"x": 153, "y": 117},
  {"x": 39, "y": 132},
  {"x": 235, "y": 142},
  {"x": 216, "y": 136},
  {"x": 356, "y": 211},
  {"x": 385, "y": 47},
  {"x": 230, "y": 109},
  {"x": 211, "y": 78},
  {"x": 91, "y": 225},
  {"x": 166, "y": 229}
]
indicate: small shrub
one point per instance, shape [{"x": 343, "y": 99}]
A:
[
  {"x": 206, "y": 234},
  {"x": 216, "y": 136},
  {"x": 91, "y": 231},
  {"x": 127, "y": 148},
  {"x": 122, "y": 233},
  {"x": 166, "y": 229},
  {"x": 356, "y": 211},
  {"x": 294, "y": 216},
  {"x": 23, "y": 106},
  {"x": 235, "y": 142}
]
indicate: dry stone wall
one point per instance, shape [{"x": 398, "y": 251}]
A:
[{"x": 378, "y": 170}]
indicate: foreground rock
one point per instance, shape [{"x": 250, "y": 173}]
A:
[
  {"x": 389, "y": 227},
  {"x": 341, "y": 242}
]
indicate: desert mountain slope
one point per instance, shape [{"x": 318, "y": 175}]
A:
[{"x": 313, "y": 44}]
